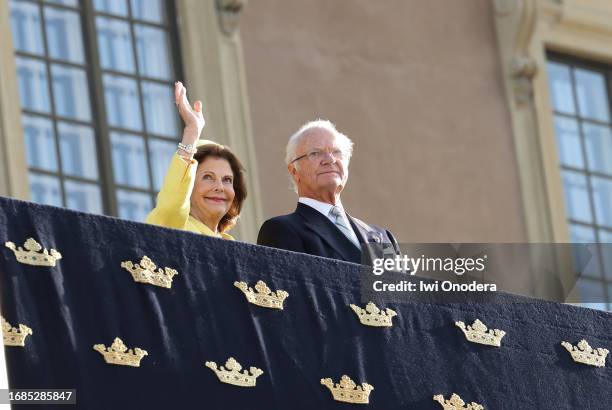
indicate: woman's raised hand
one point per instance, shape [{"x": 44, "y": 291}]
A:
[{"x": 192, "y": 116}]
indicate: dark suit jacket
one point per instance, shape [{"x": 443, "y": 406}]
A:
[{"x": 308, "y": 231}]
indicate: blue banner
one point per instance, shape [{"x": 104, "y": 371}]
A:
[{"x": 136, "y": 316}]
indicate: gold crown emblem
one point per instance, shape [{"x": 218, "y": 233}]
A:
[
  {"x": 146, "y": 272},
  {"x": 119, "y": 354},
  {"x": 264, "y": 297},
  {"x": 456, "y": 403},
  {"x": 584, "y": 353},
  {"x": 347, "y": 391},
  {"x": 373, "y": 316},
  {"x": 12, "y": 336},
  {"x": 230, "y": 374},
  {"x": 478, "y": 333},
  {"x": 32, "y": 254}
]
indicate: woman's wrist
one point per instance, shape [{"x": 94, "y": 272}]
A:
[{"x": 191, "y": 135}]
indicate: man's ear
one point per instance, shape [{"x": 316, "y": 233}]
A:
[{"x": 292, "y": 170}]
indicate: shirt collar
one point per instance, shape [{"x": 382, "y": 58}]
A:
[{"x": 322, "y": 207}]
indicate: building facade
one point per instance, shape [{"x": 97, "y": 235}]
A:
[{"x": 473, "y": 121}]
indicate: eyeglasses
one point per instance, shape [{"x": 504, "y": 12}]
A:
[{"x": 318, "y": 155}]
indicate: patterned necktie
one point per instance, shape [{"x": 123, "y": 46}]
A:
[{"x": 336, "y": 214}]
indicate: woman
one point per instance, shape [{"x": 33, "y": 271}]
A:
[{"x": 204, "y": 188}]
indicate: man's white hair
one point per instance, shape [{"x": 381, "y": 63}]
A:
[{"x": 344, "y": 142}]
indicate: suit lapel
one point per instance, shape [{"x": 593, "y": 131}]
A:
[
  {"x": 326, "y": 230},
  {"x": 375, "y": 244},
  {"x": 363, "y": 231}
]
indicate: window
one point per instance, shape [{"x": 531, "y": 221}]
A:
[
  {"x": 581, "y": 99},
  {"x": 96, "y": 87}
]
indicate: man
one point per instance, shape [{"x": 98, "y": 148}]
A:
[{"x": 317, "y": 159}]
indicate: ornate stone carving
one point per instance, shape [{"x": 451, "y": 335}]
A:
[
  {"x": 524, "y": 66},
  {"x": 229, "y": 13},
  {"x": 523, "y": 69},
  {"x": 519, "y": 17}
]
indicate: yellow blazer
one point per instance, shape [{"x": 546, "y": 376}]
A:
[{"x": 173, "y": 200}]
